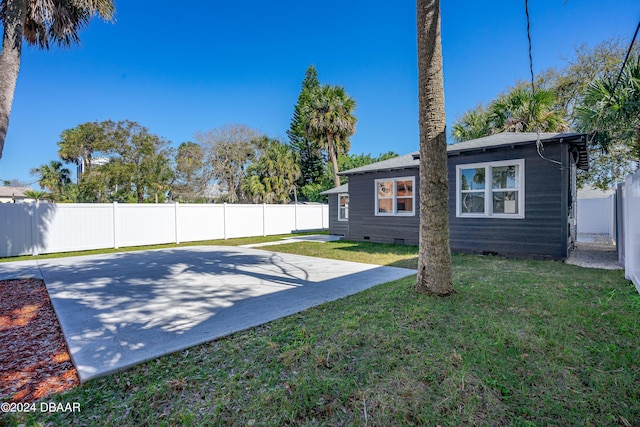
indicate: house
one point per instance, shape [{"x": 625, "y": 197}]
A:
[
  {"x": 509, "y": 194},
  {"x": 338, "y": 210},
  {"x": 14, "y": 195}
]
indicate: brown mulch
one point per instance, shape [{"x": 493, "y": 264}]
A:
[{"x": 34, "y": 359}]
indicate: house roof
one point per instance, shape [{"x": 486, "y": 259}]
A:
[
  {"x": 7, "y": 191},
  {"x": 408, "y": 161},
  {"x": 344, "y": 188},
  {"x": 412, "y": 160}
]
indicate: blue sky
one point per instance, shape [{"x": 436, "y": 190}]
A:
[{"x": 178, "y": 71}]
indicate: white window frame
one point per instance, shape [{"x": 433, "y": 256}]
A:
[
  {"x": 394, "y": 197},
  {"x": 488, "y": 190},
  {"x": 346, "y": 210}
]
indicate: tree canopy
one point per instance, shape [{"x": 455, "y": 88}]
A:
[
  {"x": 53, "y": 177},
  {"x": 579, "y": 97},
  {"x": 611, "y": 109},
  {"x": 272, "y": 177},
  {"x": 309, "y": 151},
  {"x": 329, "y": 119}
]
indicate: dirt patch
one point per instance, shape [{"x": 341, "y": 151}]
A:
[{"x": 34, "y": 359}]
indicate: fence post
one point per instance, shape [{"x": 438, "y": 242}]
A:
[
  {"x": 322, "y": 216},
  {"x": 620, "y": 225},
  {"x": 115, "y": 225},
  {"x": 264, "y": 219},
  {"x": 175, "y": 217},
  {"x": 34, "y": 228},
  {"x": 224, "y": 220}
]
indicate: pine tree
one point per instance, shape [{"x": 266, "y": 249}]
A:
[{"x": 309, "y": 153}]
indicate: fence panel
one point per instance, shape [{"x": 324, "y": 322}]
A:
[
  {"x": 75, "y": 227},
  {"x": 144, "y": 224},
  {"x": 596, "y": 216},
  {"x": 16, "y": 229},
  {"x": 311, "y": 216},
  {"x": 279, "y": 219},
  {"x": 33, "y": 228},
  {"x": 244, "y": 221},
  {"x": 200, "y": 222},
  {"x": 632, "y": 228}
]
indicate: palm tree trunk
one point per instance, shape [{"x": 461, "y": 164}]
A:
[
  {"x": 333, "y": 157},
  {"x": 16, "y": 12},
  {"x": 434, "y": 257}
]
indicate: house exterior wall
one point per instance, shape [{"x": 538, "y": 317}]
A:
[
  {"x": 339, "y": 228},
  {"x": 364, "y": 225},
  {"x": 543, "y": 232}
]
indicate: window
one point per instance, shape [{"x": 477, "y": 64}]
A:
[
  {"x": 395, "y": 196},
  {"x": 493, "y": 189},
  {"x": 343, "y": 207}
]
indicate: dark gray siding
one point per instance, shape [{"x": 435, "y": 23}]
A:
[
  {"x": 541, "y": 234},
  {"x": 543, "y": 231},
  {"x": 339, "y": 228},
  {"x": 363, "y": 222}
]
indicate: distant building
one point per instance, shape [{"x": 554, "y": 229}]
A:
[
  {"x": 14, "y": 195},
  {"x": 97, "y": 161}
]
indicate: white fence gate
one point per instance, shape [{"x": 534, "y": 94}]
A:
[
  {"x": 597, "y": 216},
  {"x": 34, "y": 228}
]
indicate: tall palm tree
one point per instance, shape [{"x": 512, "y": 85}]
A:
[
  {"x": 53, "y": 177},
  {"x": 329, "y": 119},
  {"x": 434, "y": 257},
  {"x": 39, "y": 23}
]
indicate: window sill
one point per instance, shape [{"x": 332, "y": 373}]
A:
[{"x": 495, "y": 216}]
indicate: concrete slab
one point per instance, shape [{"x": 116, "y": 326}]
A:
[
  {"x": 320, "y": 238},
  {"x": 20, "y": 270},
  {"x": 118, "y": 310}
]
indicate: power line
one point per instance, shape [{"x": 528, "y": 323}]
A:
[
  {"x": 624, "y": 63},
  {"x": 539, "y": 145}
]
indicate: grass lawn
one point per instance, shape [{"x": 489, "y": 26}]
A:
[
  {"x": 219, "y": 242},
  {"x": 521, "y": 343}
]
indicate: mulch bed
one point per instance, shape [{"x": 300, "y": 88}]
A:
[{"x": 34, "y": 359}]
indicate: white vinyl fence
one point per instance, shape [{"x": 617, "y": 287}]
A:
[
  {"x": 597, "y": 216},
  {"x": 631, "y": 228},
  {"x": 35, "y": 228}
]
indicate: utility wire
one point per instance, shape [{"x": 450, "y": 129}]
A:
[
  {"x": 624, "y": 63},
  {"x": 539, "y": 146}
]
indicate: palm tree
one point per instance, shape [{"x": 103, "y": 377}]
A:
[
  {"x": 520, "y": 111},
  {"x": 329, "y": 119},
  {"x": 613, "y": 110},
  {"x": 473, "y": 124},
  {"x": 53, "y": 177},
  {"x": 39, "y": 23},
  {"x": 273, "y": 177},
  {"x": 35, "y": 194},
  {"x": 434, "y": 257}
]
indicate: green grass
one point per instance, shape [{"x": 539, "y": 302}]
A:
[
  {"x": 521, "y": 343},
  {"x": 219, "y": 242}
]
